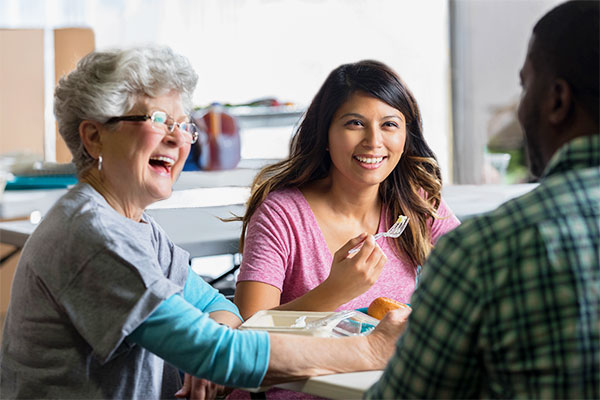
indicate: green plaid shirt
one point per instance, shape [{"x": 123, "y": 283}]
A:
[{"x": 509, "y": 302}]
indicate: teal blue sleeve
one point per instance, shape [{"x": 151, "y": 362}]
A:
[
  {"x": 190, "y": 340},
  {"x": 204, "y": 297}
]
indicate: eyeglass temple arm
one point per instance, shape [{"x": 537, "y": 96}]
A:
[{"x": 129, "y": 118}]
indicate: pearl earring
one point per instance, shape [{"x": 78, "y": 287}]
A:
[{"x": 100, "y": 162}]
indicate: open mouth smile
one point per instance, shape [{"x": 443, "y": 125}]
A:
[
  {"x": 369, "y": 162},
  {"x": 161, "y": 164}
]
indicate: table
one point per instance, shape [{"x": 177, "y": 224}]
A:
[
  {"x": 337, "y": 386},
  {"x": 467, "y": 201},
  {"x": 190, "y": 216},
  {"x": 15, "y": 233},
  {"x": 196, "y": 230},
  {"x": 20, "y": 203},
  {"x": 199, "y": 230},
  {"x": 192, "y": 189}
]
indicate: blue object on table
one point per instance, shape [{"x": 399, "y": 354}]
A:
[
  {"x": 365, "y": 309},
  {"x": 41, "y": 182}
]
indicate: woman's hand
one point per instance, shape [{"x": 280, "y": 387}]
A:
[
  {"x": 351, "y": 276},
  {"x": 382, "y": 340},
  {"x": 197, "y": 388}
]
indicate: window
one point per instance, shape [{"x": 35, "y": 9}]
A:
[{"x": 248, "y": 49}]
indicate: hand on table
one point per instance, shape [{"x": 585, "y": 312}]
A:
[
  {"x": 355, "y": 274},
  {"x": 197, "y": 388}
]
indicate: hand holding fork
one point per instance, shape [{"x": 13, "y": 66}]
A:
[{"x": 394, "y": 232}]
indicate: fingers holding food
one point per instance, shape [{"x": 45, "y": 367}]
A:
[{"x": 381, "y": 305}]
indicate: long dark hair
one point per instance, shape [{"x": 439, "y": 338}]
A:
[{"x": 412, "y": 188}]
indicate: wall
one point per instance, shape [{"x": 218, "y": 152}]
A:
[
  {"x": 22, "y": 90},
  {"x": 24, "y": 66},
  {"x": 70, "y": 44}
]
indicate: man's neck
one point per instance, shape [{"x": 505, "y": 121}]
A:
[{"x": 581, "y": 124}]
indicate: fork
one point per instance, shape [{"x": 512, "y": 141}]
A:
[{"x": 394, "y": 232}]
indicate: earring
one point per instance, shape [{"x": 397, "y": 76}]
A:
[{"x": 100, "y": 162}]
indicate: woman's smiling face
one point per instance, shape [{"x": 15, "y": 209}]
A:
[
  {"x": 142, "y": 160},
  {"x": 366, "y": 140}
]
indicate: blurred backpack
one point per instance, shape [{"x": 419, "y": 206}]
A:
[{"x": 218, "y": 146}]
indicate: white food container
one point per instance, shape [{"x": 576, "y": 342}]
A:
[{"x": 324, "y": 324}]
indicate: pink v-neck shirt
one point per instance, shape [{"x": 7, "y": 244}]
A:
[{"x": 285, "y": 248}]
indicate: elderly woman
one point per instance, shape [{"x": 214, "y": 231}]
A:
[{"x": 103, "y": 304}]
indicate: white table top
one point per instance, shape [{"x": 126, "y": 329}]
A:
[
  {"x": 15, "y": 232},
  {"x": 197, "y": 230},
  {"x": 467, "y": 201},
  {"x": 192, "y": 189},
  {"x": 338, "y": 386},
  {"x": 20, "y": 203},
  {"x": 190, "y": 216},
  {"x": 231, "y": 187}
]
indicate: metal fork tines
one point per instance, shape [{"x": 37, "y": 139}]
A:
[{"x": 394, "y": 232}]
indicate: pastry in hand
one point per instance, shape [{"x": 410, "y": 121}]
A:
[{"x": 381, "y": 305}]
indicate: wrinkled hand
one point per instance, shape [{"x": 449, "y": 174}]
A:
[
  {"x": 197, "y": 388},
  {"x": 384, "y": 337},
  {"x": 352, "y": 275}
]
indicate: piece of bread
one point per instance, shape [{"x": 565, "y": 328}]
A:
[{"x": 381, "y": 305}]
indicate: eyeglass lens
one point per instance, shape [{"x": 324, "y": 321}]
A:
[{"x": 188, "y": 128}]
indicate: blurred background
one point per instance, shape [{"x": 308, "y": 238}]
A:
[
  {"x": 262, "y": 61},
  {"x": 460, "y": 58}
]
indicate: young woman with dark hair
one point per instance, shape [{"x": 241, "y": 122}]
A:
[{"x": 357, "y": 161}]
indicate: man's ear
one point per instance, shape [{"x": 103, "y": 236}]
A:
[
  {"x": 561, "y": 101},
  {"x": 89, "y": 132}
]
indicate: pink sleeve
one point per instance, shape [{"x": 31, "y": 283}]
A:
[
  {"x": 267, "y": 246},
  {"x": 445, "y": 222}
]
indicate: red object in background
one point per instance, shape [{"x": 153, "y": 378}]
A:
[{"x": 218, "y": 144}]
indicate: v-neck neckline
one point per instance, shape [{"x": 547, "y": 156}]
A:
[{"x": 313, "y": 217}]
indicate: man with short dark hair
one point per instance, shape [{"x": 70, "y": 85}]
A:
[{"x": 509, "y": 304}]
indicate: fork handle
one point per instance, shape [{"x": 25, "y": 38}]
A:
[
  {"x": 360, "y": 245},
  {"x": 380, "y": 234}
]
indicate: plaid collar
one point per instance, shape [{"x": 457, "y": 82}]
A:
[{"x": 579, "y": 153}]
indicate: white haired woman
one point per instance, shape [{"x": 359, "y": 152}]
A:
[{"x": 102, "y": 298}]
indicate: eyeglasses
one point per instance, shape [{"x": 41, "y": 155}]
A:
[{"x": 160, "y": 118}]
